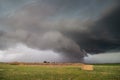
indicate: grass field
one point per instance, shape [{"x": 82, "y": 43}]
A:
[{"x": 59, "y": 72}]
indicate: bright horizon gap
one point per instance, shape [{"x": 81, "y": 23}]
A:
[{"x": 22, "y": 53}]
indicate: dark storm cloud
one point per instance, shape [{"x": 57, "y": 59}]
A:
[
  {"x": 66, "y": 26},
  {"x": 103, "y": 35},
  {"x": 110, "y": 24}
]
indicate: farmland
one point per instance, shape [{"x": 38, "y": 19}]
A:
[{"x": 58, "y": 72}]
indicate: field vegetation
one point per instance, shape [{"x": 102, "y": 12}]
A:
[{"x": 58, "y": 72}]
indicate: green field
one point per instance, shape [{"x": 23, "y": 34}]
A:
[{"x": 47, "y": 72}]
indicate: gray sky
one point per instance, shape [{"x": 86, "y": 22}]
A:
[{"x": 70, "y": 28}]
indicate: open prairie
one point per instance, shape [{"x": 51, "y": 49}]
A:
[{"x": 59, "y": 72}]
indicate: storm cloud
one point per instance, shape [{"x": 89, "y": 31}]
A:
[
  {"x": 72, "y": 28},
  {"x": 103, "y": 34}
]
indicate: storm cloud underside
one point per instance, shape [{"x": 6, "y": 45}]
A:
[{"x": 71, "y": 28}]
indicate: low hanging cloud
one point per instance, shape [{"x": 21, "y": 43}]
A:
[
  {"x": 48, "y": 41},
  {"x": 31, "y": 26},
  {"x": 109, "y": 57},
  {"x": 22, "y": 53},
  {"x": 69, "y": 27}
]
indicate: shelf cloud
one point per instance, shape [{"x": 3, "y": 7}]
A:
[{"x": 71, "y": 28}]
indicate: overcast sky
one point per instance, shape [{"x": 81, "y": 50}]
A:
[{"x": 60, "y": 30}]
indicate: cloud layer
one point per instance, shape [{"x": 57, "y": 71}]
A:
[
  {"x": 22, "y": 53},
  {"x": 69, "y": 27},
  {"x": 109, "y": 57}
]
